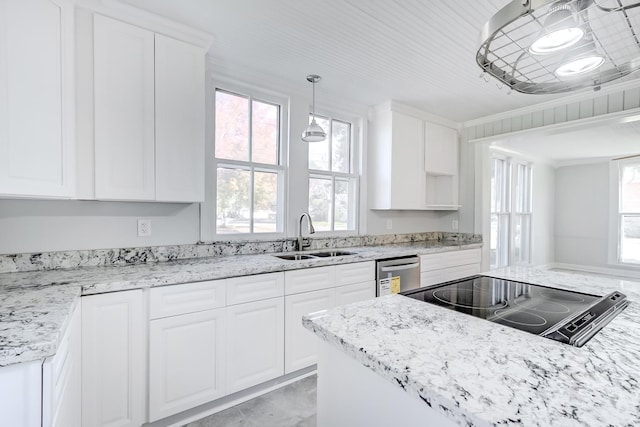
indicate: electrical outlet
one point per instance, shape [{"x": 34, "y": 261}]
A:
[
  {"x": 454, "y": 224},
  {"x": 389, "y": 224},
  {"x": 144, "y": 227}
]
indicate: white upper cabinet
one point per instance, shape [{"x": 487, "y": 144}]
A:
[
  {"x": 36, "y": 99},
  {"x": 124, "y": 110},
  {"x": 441, "y": 166},
  {"x": 180, "y": 106},
  {"x": 144, "y": 79},
  {"x": 409, "y": 157},
  {"x": 398, "y": 167}
]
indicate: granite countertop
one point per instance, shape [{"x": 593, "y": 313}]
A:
[
  {"x": 35, "y": 306},
  {"x": 480, "y": 373}
]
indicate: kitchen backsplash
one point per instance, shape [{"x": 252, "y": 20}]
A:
[{"x": 153, "y": 254}]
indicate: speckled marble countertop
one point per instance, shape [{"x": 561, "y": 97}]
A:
[
  {"x": 480, "y": 373},
  {"x": 35, "y": 306}
]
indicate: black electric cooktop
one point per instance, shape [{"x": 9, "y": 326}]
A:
[{"x": 567, "y": 316}]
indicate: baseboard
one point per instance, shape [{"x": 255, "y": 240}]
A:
[
  {"x": 234, "y": 399},
  {"x": 633, "y": 274}
]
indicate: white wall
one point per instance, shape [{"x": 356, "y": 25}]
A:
[
  {"x": 582, "y": 214},
  {"x": 43, "y": 225},
  {"x": 544, "y": 214}
]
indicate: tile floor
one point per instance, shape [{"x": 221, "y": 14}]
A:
[{"x": 291, "y": 406}]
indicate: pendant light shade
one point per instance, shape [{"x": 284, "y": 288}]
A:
[{"x": 313, "y": 132}]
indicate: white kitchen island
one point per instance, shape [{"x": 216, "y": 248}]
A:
[{"x": 399, "y": 361}]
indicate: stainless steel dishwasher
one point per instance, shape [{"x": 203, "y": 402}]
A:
[{"x": 397, "y": 275}]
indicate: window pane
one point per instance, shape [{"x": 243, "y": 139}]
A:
[
  {"x": 264, "y": 133},
  {"x": 232, "y": 126},
  {"x": 630, "y": 189},
  {"x": 521, "y": 238},
  {"x": 341, "y": 140},
  {"x": 342, "y": 214},
  {"x": 265, "y": 202},
  {"x": 319, "y": 151},
  {"x": 630, "y": 244},
  {"x": 233, "y": 201},
  {"x": 320, "y": 203}
]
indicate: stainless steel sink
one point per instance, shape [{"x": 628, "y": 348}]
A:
[
  {"x": 332, "y": 253},
  {"x": 296, "y": 257}
]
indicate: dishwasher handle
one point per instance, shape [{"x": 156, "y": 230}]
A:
[{"x": 399, "y": 267}]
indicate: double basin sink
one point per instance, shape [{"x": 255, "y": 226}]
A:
[{"x": 299, "y": 257}]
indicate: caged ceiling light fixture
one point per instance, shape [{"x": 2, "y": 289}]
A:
[
  {"x": 555, "y": 46},
  {"x": 313, "y": 132}
]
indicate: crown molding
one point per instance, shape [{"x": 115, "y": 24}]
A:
[{"x": 150, "y": 21}]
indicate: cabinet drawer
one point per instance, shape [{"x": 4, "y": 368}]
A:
[
  {"x": 347, "y": 274},
  {"x": 188, "y": 298},
  {"x": 254, "y": 288},
  {"x": 449, "y": 259},
  {"x": 461, "y": 271},
  {"x": 433, "y": 277},
  {"x": 309, "y": 279}
]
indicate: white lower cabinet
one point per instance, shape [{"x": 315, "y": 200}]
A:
[
  {"x": 445, "y": 266},
  {"x": 113, "y": 366},
  {"x": 21, "y": 394},
  {"x": 300, "y": 344},
  {"x": 255, "y": 343},
  {"x": 62, "y": 379},
  {"x": 315, "y": 289},
  {"x": 354, "y": 293},
  {"x": 186, "y": 362}
]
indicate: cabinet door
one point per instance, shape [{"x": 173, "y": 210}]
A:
[
  {"x": 407, "y": 163},
  {"x": 180, "y": 105},
  {"x": 113, "y": 368},
  {"x": 300, "y": 344},
  {"x": 20, "y": 394},
  {"x": 124, "y": 110},
  {"x": 255, "y": 343},
  {"x": 36, "y": 98},
  {"x": 186, "y": 362},
  {"x": 356, "y": 292},
  {"x": 441, "y": 150}
]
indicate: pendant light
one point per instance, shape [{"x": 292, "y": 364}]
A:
[{"x": 313, "y": 132}]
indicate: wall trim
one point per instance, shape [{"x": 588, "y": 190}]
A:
[
  {"x": 581, "y": 96},
  {"x": 624, "y": 116}
]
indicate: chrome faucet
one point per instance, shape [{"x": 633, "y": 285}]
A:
[{"x": 303, "y": 242}]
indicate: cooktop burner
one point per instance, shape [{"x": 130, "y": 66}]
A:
[{"x": 567, "y": 316}]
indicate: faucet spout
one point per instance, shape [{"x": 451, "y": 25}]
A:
[{"x": 303, "y": 242}]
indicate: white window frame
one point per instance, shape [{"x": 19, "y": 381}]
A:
[
  {"x": 509, "y": 209},
  {"x": 615, "y": 213},
  {"x": 353, "y": 178},
  {"x": 208, "y": 209}
]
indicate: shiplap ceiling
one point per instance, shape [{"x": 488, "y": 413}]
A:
[{"x": 418, "y": 52}]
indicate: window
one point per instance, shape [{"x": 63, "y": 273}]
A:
[
  {"x": 628, "y": 211},
  {"x": 500, "y": 210},
  {"x": 510, "y": 239},
  {"x": 249, "y": 174},
  {"x": 332, "y": 178}
]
